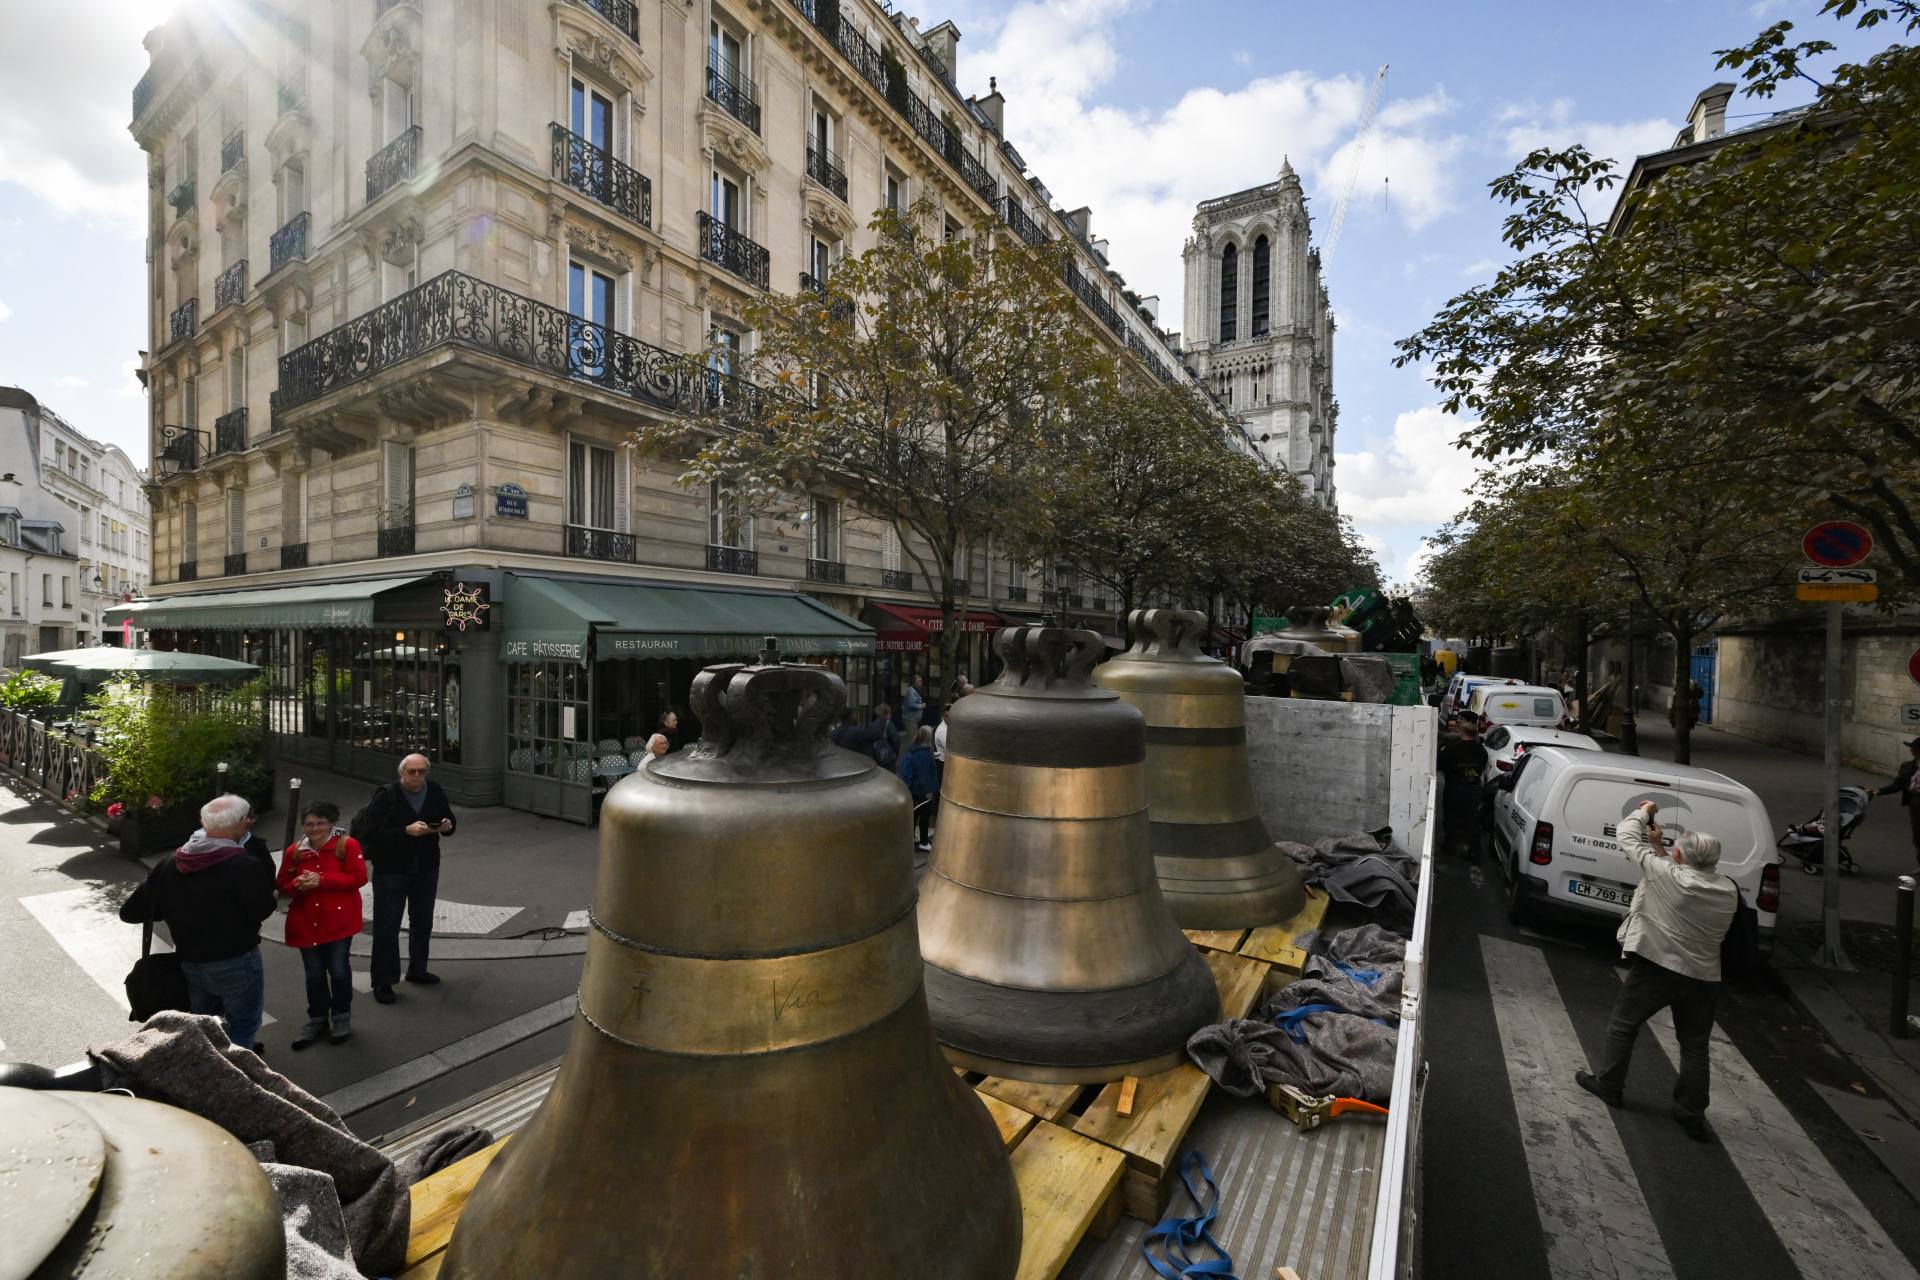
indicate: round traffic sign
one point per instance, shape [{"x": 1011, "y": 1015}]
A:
[
  {"x": 1913, "y": 666},
  {"x": 1837, "y": 543}
]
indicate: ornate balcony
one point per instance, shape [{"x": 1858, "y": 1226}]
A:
[
  {"x": 591, "y": 171},
  {"x": 293, "y": 96},
  {"x": 1089, "y": 293},
  {"x": 393, "y": 164},
  {"x": 230, "y": 286},
  {"x": 1021, "y": 223},
  {"x": 289, "y": 243},
  {"x": 181, "y": 198},
  {"x": 897, "y": 579},
  {"x": 1017, "y": 594},
  {"x": 233, "y": 150},
  {"x": 726, "y": 247},
  {"x": 397, "y": 540},
  {"x": 235, "y": 564},
  {"x": 733, "y": 94},
  {"x": 230, "y": 432},
  {"x": 824, "y": 167},
  {"x": 601, "y": 544},
  {"x": 732, "y": 559},
  {"x": 841, "y": 310},
  {"x": 293, "y": 555},
  {"x": 185, "y": 320},
  {"x": 826, "y": 571},
  {"x": 187, "y": 571},
  {"x": 621, "y": 13}
]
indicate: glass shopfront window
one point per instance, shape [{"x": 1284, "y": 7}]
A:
[{"x": 549, "y": 733}]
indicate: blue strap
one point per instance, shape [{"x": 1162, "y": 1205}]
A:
[
  {"x": 1289, "y": 1020},
  {"x": 1177, "y": 1235},
  {"x": 1365, "y": 977}
]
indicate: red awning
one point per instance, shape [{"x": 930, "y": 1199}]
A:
[{"x": 905, "y": 628}]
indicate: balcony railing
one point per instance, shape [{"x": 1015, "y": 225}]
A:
[
  {"x": 621, "y": 13},
  {"x": 393, "y": 164},
  {"x": 235, "y": 564},
  {"x": 455, "y": 309},
  {"x": 181, "y": 198},
  {"x": 293, "y": 96},
  {"x": 897, "y": 579},
  {"x": 1022, "y": 223},
  {"x": 824, "y": 167},
  {"x": 826, "y": 571},
  {"x": 1090, "y": 294},
  {"x": 733, "y": 94},
  {"x": 233, "y": 150},
  {"x": 230, "y": 286},
  {"x": 841, "y": 310},
  {"x": 591, "y": 171},
  {"x": 721, "y": 244},
  {"x": 185, "y": 320},
  {"x": 293, "y": 555},
  {"x": 1017, "y": 594},
  {"x": 732, "y": 559},
  {"x": 289, "y": 243},
  {"x": 230, "y": 432},
  {"x": 397, "y": 541},
  {"x": 187, "y": 571},
  {"x": 601, "y": 544}
]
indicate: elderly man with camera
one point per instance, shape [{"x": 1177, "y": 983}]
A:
[{"x": 1671, "y": 938}]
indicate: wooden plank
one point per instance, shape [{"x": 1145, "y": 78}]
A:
[
  {"x": 1164, "y": 1107},
  {"x": 1227, "y": 940},
  {"x": 428, "y": 1270},
  {"x": 1278, "y": 944},
  {"x": 1128, "y": 1087},
  {"x": 1012, "y": 1122},
  {"x": 438, "y": 1199},
  {"x": 1048, "y": 1101},
  {"x": 1239, "y": 979},
  {"x": 1065, "y": 1181}
]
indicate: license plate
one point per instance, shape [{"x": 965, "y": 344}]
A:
[{"x": 1602, "y": 892}]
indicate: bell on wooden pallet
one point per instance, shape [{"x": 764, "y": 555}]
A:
[
  {"x": 1050, "y": 952},
  {"x": 1218, "y": 867},
  {"x": 752, "y": 1087},
  {"x": 1309, "y": 622}
]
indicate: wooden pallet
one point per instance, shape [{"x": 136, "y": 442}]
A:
[{"x": 1278, "y": 945}]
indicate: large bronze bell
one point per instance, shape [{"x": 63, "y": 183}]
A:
[
  {"x": 752, "y": 1088},
  {"x": 1050, "y": 952},
  {"x": 1218, "y": 867}
]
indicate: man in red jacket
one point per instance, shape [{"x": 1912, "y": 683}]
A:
[{"x": 322, "y": 873}]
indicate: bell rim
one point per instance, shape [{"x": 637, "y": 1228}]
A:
[{"x": 1041, "y": 1073}]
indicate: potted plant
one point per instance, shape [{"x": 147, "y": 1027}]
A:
[{"x": 162, "y": 748}]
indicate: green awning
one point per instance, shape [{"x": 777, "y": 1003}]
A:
[
  {"x": 320, "y": 604},
  {"x": 556, "y": 618}
]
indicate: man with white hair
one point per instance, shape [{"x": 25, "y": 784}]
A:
[
  {"x": 404, "y": 822},
  {"x": 1671, "y": 938},
  {"x": 213, "y": 894}
]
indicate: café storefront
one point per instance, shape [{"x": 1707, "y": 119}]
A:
[{"x": 907, "y": 643}]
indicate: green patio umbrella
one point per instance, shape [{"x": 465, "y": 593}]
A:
[{"x": 158, "y": 664}]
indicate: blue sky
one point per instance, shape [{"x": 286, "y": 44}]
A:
[{"x": 1139, "y": 108}]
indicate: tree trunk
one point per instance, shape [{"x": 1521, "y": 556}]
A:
[
  {"x": 953, "y": 634},
  {"x": 1581, "y": 643},
  {"x": 1682, "y": 694}
]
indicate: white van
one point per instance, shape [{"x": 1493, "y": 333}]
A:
[
  {"x": 1533, "y": 705},
  {"x": 1554, "y": 831}
]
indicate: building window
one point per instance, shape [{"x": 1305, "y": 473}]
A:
[
  {"x": 66, "y": 592},
  {"x": 236, "y": 521},
  {"x": 893, "y": 190},
  {"x": 550, "y": 734},
  {"x": 824, "y": 517},
  {"x": 1229, "y": 293},
  {"x": 728, "y": 523},
  {"x": 1262, "y": 290},
  {"x": 954, "y": 230},
  {"x": 723, "y": 355},
  {"x": 293, "y": 190},
  {"x": 237, "y": 378},
  {"x": 724, "y": 51},
  {"x": 594, "y": 497},
  {"x": 728, "y": 208},
  {"x": 592, "y": 115},
  {"x": 396, "y": 110},
  {"x": 189, "y": 532},
  {"x": 890, "y": 552},
  {"x": 820, "y": 256},
  {"x": 13, "y": 594},
  {"x": 104, "y": 540}
]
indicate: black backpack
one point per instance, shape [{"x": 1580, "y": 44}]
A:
[
  {"x": 1740, "y": 949},
  {"x": 359, "y": 827}
]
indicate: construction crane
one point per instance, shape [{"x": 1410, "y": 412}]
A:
[{"x": 1353, "y": 179}]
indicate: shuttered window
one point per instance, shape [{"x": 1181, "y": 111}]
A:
[
  {"x": 889, "y": 548},
  {"x": 397, "y": 484},
  {"x": 236, "y": 521},
  {"x": 190, "y": 532},
  {"x": 237, "y": 378}
]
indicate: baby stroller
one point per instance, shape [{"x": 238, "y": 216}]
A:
[{"x": 1807, "y": 840}]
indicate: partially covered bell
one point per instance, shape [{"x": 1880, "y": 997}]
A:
[
  {"x": 1218, "y": 866},
  {"x": 752, "y": 1087},
  {"x": 1050, "y": 953}
]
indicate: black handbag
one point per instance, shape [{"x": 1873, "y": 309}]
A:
[{"x": 156, "y": 982}]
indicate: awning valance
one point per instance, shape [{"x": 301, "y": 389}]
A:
[
  {"x": 556, "y": 618},
  {"x": 319, "y": 604}
]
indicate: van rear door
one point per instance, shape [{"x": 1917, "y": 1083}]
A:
[{"x": 1596, "y": 803}]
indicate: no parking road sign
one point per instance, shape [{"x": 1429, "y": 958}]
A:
[{"x": 1837, "y": 543}]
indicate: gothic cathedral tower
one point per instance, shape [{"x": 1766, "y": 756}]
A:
[{"x": 1259, "y": 332}]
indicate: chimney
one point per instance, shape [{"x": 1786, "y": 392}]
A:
[
  {"x": 1151, "y": 305},
  {"x": 1100, "y": 250},
  {"x": 943, "y": 42},
  {"x": 994, "y": 106},
  {"x": 1082, "y": 219},
  {"x": 1709, "y": 113}
]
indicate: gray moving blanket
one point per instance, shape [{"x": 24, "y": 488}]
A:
[
  {"x": 1364, "y": 868},
  {"x": 1333, "y": 1031}
]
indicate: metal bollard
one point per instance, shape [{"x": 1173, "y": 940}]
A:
[
  {"x": 293, "y": 812},
  {"x": 220, "y": 778},
  {"x": 1903, "y": 958}
]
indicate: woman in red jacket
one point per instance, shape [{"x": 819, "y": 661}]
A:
[{"x": 323, "y": 873}]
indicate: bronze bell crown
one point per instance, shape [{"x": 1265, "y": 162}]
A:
[
  {"x": 752, "y": 1087},
  {"x": 1218, "y": 866},
  {"x": 1050, "y": 953}
]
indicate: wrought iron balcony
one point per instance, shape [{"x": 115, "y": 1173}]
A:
[
  {"x": 233, "y": 150},
  {"x": 824, "y": 167},
  {"x": 230, "y": 286},
  {"x": 293, "y": 555},
  {"x": 230, "y": 432},
  {"x": 1089, "y": 293},
  {"x": 592, "y": 171},
  {"x": 293, "y": 96},
  {"x": 1017, "y": 594},
  {"x": 721, "y": 244},
  {"x": 621, "y": 13},
  {"x": 235, "y": 564},
  {"x": 826, "y": 571},
  {"x": 187, "y": 571},
  {"x": 289, "y": 243},
  {"x": 397, "y": 540},
  {"x": 393, "y": 164},
  {"x": 185, "y": 320},
  {"x": 733, "y": 94},
  {"x": 601, "y": 544},
  {"x": 1021, "y": 223},
  {"x": 841, "y": 310},
  {"x": 732, "y": 559},
  {"x": 181, "y": 198},
  {"x": 897, "y": 579}
]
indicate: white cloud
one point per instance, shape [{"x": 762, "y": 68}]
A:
[
  {"x": 1480, "y": 268},
  {"x": 6, "y": 313},
  {"x": 127, "y": 386},
  {"x": 1417, "y": 477},
  {"x": 69, "y": 380},
  {"x": 1529, "y": 126}
]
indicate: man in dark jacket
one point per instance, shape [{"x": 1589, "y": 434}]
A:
[
  {"x": 1906, "y": 784},
  {"x": 404, "y": 823},
  {"x": 1462, "y": 760},
  {"x": 212, "y": 895}
]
